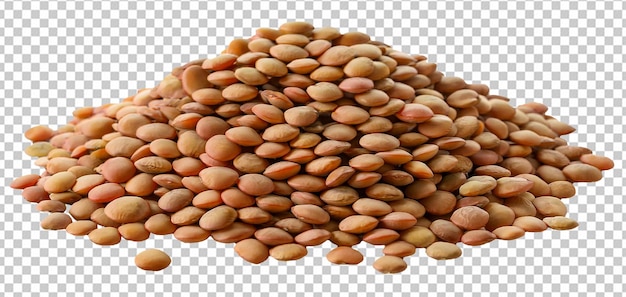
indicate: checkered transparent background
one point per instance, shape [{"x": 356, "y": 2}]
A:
[{"x": 58, "y": 55}]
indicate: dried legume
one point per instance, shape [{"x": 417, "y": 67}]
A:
[{"x": 301, "y": 135}]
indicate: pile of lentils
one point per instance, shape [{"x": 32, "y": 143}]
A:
[{"x": 298, "y": 136}]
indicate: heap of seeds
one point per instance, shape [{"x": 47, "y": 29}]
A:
[{"x": 299, "y": 135}]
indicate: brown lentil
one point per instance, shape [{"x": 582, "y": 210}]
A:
[
  {"x": 152, "y": 260},
  {"x": 301, "y": 135},
  {"x": 80, "y": 228},
  {"x": 105, "y": 236}
]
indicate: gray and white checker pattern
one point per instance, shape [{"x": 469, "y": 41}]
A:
[{"x": 57, "y": 55}]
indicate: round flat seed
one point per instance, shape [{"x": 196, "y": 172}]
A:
[
  {"x": 443, "y": 251},
  {"x": 127, "y": 209},
  {"x": 152, "y": 260},
  {"x": 344, "y": 255},
  {"x": 105, "y": 236},
  {"x": 379, "y": 142},
  {"x": 560, "y": 223},
  {"x": 390, "y": 264},
  {"x": 56, "y": 221},
  {"x": 252, "y": 250}
]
